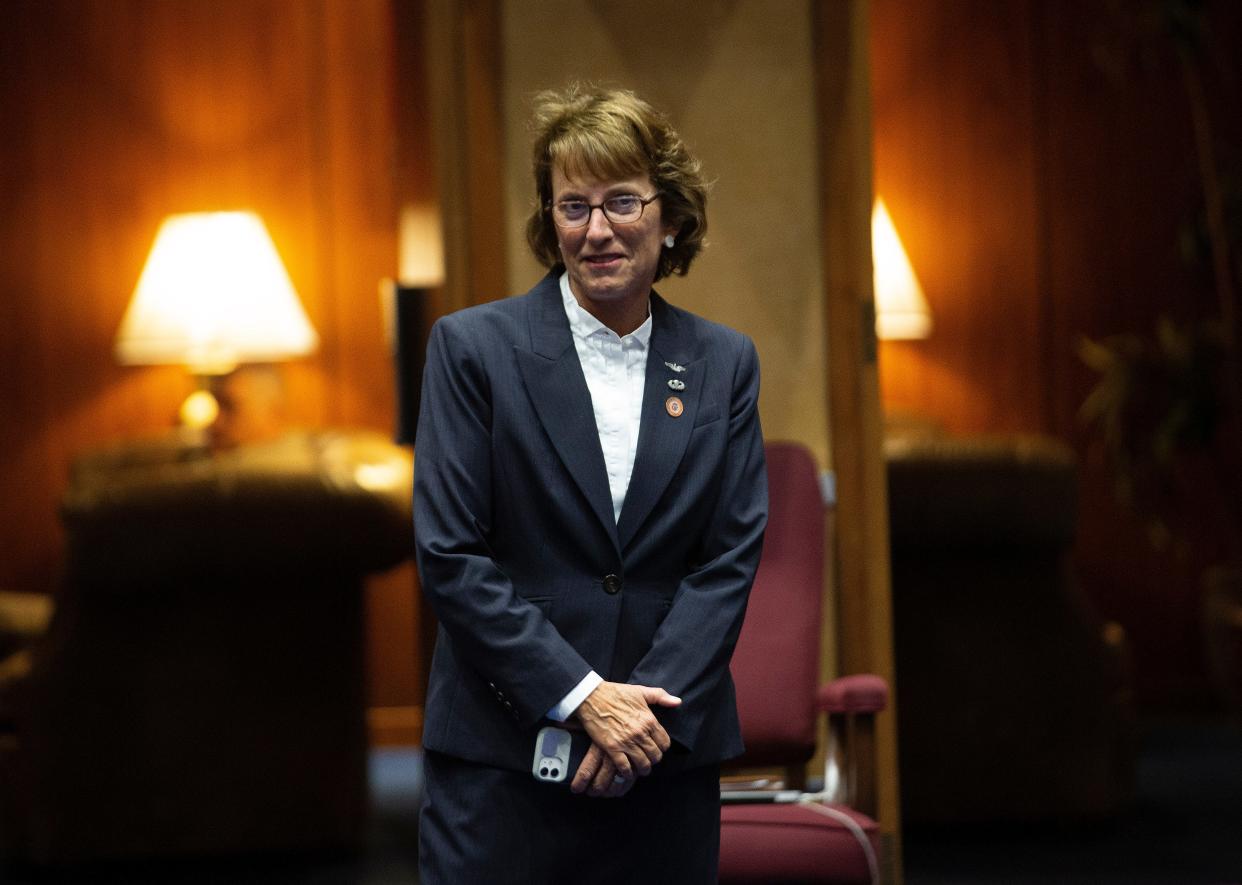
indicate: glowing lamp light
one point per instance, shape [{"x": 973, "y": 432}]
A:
[
  {"x": 901, "y": 308},
  {"x": 213, "y": 294}
]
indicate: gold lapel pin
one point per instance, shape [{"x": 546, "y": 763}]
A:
[{"x": 673, "y": 406}]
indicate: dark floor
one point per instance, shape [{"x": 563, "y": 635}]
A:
[
  {"x": 390, "y": 856},
  {"x": 1184, "y": 828}
]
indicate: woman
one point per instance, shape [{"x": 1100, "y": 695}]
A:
[{"x": 590, "y": 501}]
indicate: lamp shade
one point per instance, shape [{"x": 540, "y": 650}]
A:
[
  {"x": 214, "y": 294},
  {"x": 901, "y": 309}
]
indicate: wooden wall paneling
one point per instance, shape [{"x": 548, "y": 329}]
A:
[
  {"x": 118, "y": 112},
  {"x": 24, "y": 515},
  {"x": 359, "y": 63},
  {"x": 75, "y": 159},
  {"x": 954, "y": 145},
  {"x": 1096, "y": 285},
  {"x": 1040, "y": 173},
  {"x": 1120, "y": 184},
  {"x": 356, "y": 56},
  {"x": 864, "y": 607}
]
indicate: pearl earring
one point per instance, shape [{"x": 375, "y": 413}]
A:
[{"x": 669, "y": 242}]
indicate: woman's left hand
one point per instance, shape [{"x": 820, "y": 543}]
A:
[{"x": 598, "y": 776}]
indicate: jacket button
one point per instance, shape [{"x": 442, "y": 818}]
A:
[{"x": 612, "y": 584}]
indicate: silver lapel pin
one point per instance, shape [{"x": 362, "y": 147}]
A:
[
  {"x": 675, "y": 367},
  {"x": 676, "y": 384}
]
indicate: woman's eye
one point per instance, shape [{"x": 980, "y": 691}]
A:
[{"x": 623, "y": 204}]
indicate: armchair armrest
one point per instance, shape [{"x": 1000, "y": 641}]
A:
[
  {"x": 861, "y": 693},
  {"x": 852, "y": 703}
]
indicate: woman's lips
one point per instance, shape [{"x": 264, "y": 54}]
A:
[{"x": 603, "y": 261}]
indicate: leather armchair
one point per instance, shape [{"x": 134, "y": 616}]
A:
[
  {"x": 1015, "y": 697},
  {"x": 200, "y": 689}
]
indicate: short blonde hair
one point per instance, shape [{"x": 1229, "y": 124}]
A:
[{"x": 612, "y": 133}]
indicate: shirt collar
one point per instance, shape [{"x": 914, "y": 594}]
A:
[{"x": 583, "y": 325}]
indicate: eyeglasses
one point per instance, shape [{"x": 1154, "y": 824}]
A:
[{"x": 621, "y": 209}]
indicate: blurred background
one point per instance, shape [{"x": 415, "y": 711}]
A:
[{"x": 1064, "y": 180}]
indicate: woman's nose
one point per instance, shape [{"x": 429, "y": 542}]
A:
[{"x": 598, "y": 225}]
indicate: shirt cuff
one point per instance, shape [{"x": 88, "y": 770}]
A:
[{"x": 574, "y": 699}]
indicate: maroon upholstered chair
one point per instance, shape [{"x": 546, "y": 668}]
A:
[{"x": 782, "y": 834}]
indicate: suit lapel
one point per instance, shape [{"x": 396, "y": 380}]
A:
[
  {"x": 662, "y": 438},
  {"x": 553, "y": 378}
]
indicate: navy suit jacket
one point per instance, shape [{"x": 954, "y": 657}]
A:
[{"x": 533, "y": 580}]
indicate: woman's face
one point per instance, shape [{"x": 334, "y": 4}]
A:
[{"x": 611, "y": 266}]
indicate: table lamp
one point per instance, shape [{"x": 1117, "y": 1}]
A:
[
  {"x": 901, "y": 311},
  {"x": 213, "y": 296}
]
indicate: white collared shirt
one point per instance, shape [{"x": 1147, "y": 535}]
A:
[
  {"x": 615, "y": 368},
  {"x": 616, "y": 371}
]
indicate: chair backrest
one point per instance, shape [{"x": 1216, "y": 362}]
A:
[{"x": 776, "y": 664}]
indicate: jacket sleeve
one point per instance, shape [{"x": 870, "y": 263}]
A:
[
  {"x": 691, "y": 650},
  {"x": 493, "y": 631}
]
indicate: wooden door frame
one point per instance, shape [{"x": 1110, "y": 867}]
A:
[{"x": 864, "y": 634}]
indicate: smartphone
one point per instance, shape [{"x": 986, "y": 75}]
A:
[{"x": 558, "y": 753}]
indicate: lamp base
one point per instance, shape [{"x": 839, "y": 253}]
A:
[{"x": 245, "y": 405}]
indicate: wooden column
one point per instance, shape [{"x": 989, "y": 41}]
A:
[
  {"x": 864, "y": 606},
  {"x": 462, "y": 45}
]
